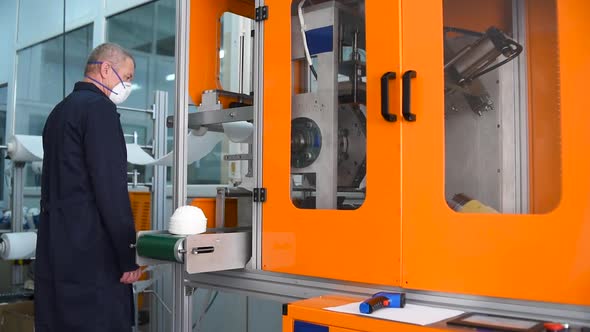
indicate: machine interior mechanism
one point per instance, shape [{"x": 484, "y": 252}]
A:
[{"x": 328, "y": 127}]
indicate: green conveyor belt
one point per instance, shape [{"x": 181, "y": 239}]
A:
[{"x": 159, "y": 246}]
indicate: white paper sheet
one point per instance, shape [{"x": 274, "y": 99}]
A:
[
  {"x": 198, "y": 148},
  {"x": 411, "y": 313}
]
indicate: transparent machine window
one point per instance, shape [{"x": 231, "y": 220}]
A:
[
  {"x": 328, "y": 112},
  {"x": 502, "y": 114}
]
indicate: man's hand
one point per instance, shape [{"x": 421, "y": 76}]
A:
[{"x": 131, "y": 276}]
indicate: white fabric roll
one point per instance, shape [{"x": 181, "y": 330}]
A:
[
  {"x": 18, "y": 245},
  {"x": 25, "y": 148},
  {"x": 239, "y": 132}
]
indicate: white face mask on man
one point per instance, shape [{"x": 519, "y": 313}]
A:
[{"x": 119, "y": 92}]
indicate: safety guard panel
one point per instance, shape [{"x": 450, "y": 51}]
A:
[
  {"x": 331, "y": 147},
  {"x": 495, "y": 176}
]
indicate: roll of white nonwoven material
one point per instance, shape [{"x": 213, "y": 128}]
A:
[
  {"x": 25, "y": 148},
  {"x": 198, "y": 148},
  {"x": 239, "y": 132},
  {"x": 18, "y": 245}
]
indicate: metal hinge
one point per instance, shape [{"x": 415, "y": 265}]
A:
[
  {"x": 259, "y": 195},
  {"x": 261, "y": 13}
]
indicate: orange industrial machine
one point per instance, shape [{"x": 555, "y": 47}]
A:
[{"x": 431, "y": 145}]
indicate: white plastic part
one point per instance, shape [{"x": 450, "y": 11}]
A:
[
  {"x": 187, "y": 220},
  {"x": 302, "y": 24}
]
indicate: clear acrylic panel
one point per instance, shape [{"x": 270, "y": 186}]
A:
[
  {"x": 328, "y": 110},
  {"x": 502, "y": 115}
]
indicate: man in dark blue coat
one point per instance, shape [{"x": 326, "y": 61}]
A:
[{"x": 85, "y": 261}]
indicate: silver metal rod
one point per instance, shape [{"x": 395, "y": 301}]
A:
[
  {"x": 181, "y": 308},
  {"x": 241, "y": 83},
  {"x": 3, "y": 147},
  {"x": 258, "y": 97},
  {"x": 132, "y": 109},
  {"x": 157, "y": 315},
  {"x": 220, "y": 208},
  {"x": 355, "y": 61},
  {"x": 149, "y": 291},
  {"x": 18, "y": 185}
]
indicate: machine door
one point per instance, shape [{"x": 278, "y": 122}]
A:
[
  {"x": 495, "y": 184},
  {"x": 331, "y": 142}
]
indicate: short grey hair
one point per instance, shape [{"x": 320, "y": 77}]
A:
[{"x": 107, "y": 52}]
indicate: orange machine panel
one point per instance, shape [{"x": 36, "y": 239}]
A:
[
  {"x": 312, "y": 311},
  {"x": 360, "y": 245},
  {"x": 208, "y": 207},
  {"x": 544, "y": 257},
  {"x": 141, "y": 207},
  {"x": 543, "y": 72}
]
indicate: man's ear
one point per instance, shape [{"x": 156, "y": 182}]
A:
[{"x": 104, "y": 69}]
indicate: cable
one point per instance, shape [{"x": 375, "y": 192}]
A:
[
  {"x": 306, "y": 48},
  {"x": 210, "y": 298},
  {"x": 516, "y": 52}
]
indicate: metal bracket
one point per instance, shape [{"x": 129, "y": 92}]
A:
[
  {"x": 233, "y": 157},
  {"x": 259, "y": 195},
  {"x": 189, "y": 291},
  {"x": 261, "y": 13}
]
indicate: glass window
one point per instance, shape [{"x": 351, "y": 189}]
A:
[
  {"x": 328, "y": 126},
  {"x": 78, "y": 45},
  {"x": 135, "y": 30},
  {"x": 225, "y": 311},
  {"x": 148, "y": 32},
  {"x": 40, "y": 77},
  {"x": 45, "y": 74},
  {"x": 502, "y": 115},
  {"x": 40, "y": 84}
]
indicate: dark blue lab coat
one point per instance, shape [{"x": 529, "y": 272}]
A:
[{"x": 86, "y": 225}]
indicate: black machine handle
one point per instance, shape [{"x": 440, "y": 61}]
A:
[
  {"x": 385, "y": 97},
  {"x": 406, "y": 95}
]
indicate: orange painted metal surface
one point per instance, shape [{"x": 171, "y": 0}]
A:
[
  {"x": 141, "y": 208},
  {"x": 437, "y": 249},
  {"x": 478, "y": 15},
  {"x": 362, "y": 245},
  {"x": 205, "y": 30},
  {"x": 544, "y": 108},
  {"x": 494, "y": 255},
  {"x": 311, "y": 311},
  {"x": 208, "y": 206}
]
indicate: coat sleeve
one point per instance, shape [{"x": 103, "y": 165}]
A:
[{"x": 106, "y": 161}]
